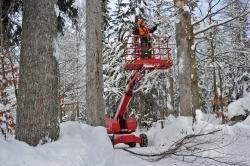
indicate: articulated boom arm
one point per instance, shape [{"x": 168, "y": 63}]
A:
[
  {"x": 135, "y": 77},
  {"x": 139, "y": 59}
]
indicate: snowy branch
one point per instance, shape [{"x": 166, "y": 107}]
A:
[
  {"x": 210, "y": 14},
  {"x": 193, "y": 148},
  {"x": 219, "y": 24}
]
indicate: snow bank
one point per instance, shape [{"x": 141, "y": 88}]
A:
[
  {"x": 175, "y": 128},
  {"x": 78, "y": 145},
  {"x": 238, "y": 107},
  {"x": 82, "y": 145},
  {"x": 231, "y": 141}
]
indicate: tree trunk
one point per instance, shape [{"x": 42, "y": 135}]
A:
[
  {"x": 221, "y": 88},
  {"x": 184, "y": 59},
  {"x": 94, "y": 72},
  {"x": 77, "y": 69},
  {"x": 171, "y": 92},
  {"x": 1, "y": 27},
  {"x": 2, "y": 40},
  {"x": 215, "y": 107},
  {"x": 194, "y": 82},
  {"x": 37, "y": 99},
  {"x": 188, "y": 76},
  {"x": 211, "y": 50}
]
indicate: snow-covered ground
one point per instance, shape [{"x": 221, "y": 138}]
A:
[
  {"x": 82, "y": 145},
  {"x": 239, "y": 107},
  {"x": 78, "y": 145}
]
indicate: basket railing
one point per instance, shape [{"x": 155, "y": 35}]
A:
[{"x": 155, "y": 47}]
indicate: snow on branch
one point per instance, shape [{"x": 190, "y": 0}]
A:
[
  {"x": 193, "y": 147},
  {"x": 204, "y": 29},
  {"x": 210, "y": 13}
]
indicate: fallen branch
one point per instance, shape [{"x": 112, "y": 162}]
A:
[{"x": 191, "y": 146}]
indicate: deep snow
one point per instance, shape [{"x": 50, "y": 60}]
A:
[
  {"x": 82, "y": 145},
  {"x": 78, "y": 145}
]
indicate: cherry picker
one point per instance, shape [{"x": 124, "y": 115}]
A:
[{"x": 121, "y": 128}]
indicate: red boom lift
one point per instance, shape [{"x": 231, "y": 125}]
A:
[{"x": 121, "y": 128}]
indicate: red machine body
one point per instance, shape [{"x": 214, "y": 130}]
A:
[{"x": 119, "y": 127}]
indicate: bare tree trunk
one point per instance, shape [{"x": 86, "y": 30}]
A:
[
  {"x": 94, "y": 72},
  {"x": 77, "y": 69},
  {"x": 216, "y": 97},
  {"x": 1, "y": 27},
  {"x": 2, "y": 40},
  {"x": 221, "y": 86},
  {"x": 194, "y": 81},
  {"x": 3, "y": 67},
  {"x": 4, "y": 81},
  {"x": 184, "y": 59},
  {"x": 171, "y": 92},
  {"x": 215, "y": 107},
  {"x": 188, "y": 70},
  {"x": 37, "y": 100},
  {"x": 212, "y": 56}
]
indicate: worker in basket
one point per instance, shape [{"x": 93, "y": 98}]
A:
[{"x": 144, "y": 32}]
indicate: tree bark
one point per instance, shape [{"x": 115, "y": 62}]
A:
[
  {"x": 212, "y": 47},
  {"x": 2, "y": 40},
  {"x": 184, "y": 60},
  {"x": 171, "y": 92},
  {"x": 1, "y": 26},
  {"x": 94, "y": 71},
  {"x": 221, "y": 88},
  {"x": 37, "y": 99},
  {"x": 188, "y": 77}
]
